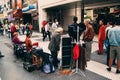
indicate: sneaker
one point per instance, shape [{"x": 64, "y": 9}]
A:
[
  {"x": 108, "y": 69},
  {"x": 117, "y": 71}
]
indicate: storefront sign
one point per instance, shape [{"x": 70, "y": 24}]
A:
[{"x": 30, "y": 7}]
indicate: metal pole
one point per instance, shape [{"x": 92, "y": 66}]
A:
[
  {"x": 82, "y": 11},
  {"x": 75, "y": 8}
]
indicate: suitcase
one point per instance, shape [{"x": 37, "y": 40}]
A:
[{"x": 28, "y": 67}]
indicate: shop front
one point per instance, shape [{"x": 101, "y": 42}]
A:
[
  {"x": 96, "y": 10},
  {"x": 64, "y": 11},
  {"x": 30, "y": 15}
]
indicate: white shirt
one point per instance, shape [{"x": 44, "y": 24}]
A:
[
  {"x": 47, "y": 27},
  {"x": 54, "y": 25}
]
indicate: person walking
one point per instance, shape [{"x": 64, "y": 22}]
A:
[
  {"x": 30, "y": 27},
  {"x": 54, "y": 45},
  {"x": 101, "y": 37},
  {"x": 47, "y": 32},
  {"x": 55, "y": 25},
  {"x": 22, "y": 26},
  {"x": 114, "y": 40},
  {"x": 27, "y": 28},
  {"x": 88, "y": 36}
]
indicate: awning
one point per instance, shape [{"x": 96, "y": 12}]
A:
[
  {"x": 17, "y": 13},
  {"x": 28, "y": 8}
]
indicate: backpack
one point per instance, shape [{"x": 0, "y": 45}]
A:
[{"x": 48, "y": 68}]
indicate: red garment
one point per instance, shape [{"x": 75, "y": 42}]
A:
[
  {"x": 30, "y": 27},
  {"x": 28, "y": 44},
  {"x": 16, "y": 40},
  {"x": 44, "y": 23},
  {"x": 100, "y": 45},
  {"x": 76, "y": 52},
  {"x": 35, "y": 44},
  {"x": 101, "y": 38},
  {"x": 101, "y": 35},
  {"x": 13, "y": 29}
]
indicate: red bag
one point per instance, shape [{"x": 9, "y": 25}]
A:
[
  {"x": 76, "y": 52},
  {"x": 35, "y": 44}
]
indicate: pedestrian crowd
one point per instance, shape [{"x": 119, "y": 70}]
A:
[
  {"x": 108, "y": 35},
  {"x": 12, "y": 30}
]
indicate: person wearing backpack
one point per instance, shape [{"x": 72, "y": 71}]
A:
[{"x": 88, "y": 36}]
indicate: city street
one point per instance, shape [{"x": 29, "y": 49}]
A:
[
  {"x": 12, "y": 69},
  {"x": 99, "y": 17}
]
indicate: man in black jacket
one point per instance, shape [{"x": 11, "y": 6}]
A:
[{"x": 72, "y": 29}]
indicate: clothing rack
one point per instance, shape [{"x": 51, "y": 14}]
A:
[{"x": 77, "y": 71}]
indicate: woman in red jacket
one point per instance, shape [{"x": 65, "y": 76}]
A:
[{"x": 101, "y": 37}]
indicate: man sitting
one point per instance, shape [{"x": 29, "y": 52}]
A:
[{"x": 16, "y": 40}]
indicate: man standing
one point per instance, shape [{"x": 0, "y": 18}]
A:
[
  {"x": 107, "y": 44},
  {"x": 72, "y": 29},
  {"x": 101, "y": 37},
  {"x": 54, "y": 45},
  {"x": 114, "y": 40},
  {"x": 47, "y": 31},
  {"x": 88, "y": 36}
]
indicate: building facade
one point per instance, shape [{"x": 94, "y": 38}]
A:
[
  {"x": 21, "y": 11},
  {"x": 30, "y": 13},
  {"x": 64, "y": 10}
]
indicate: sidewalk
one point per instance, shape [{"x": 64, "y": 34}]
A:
[{"x": 96, "y": 66}]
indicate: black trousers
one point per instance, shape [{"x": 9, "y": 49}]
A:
[
  {"x": 45, "y": 35},
  {"x": 55, "y": 60}
]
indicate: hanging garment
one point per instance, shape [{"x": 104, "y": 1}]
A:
[{"x": 76, "y": 52}]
